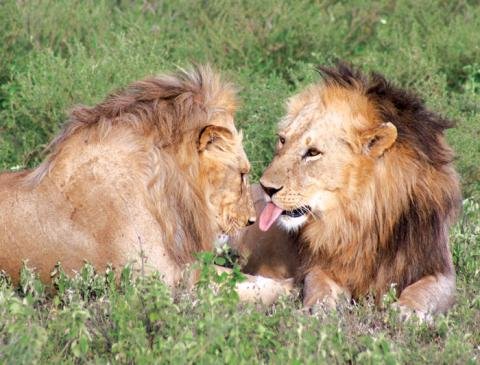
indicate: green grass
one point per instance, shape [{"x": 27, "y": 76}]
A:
[{"x": 55, "y": 54}]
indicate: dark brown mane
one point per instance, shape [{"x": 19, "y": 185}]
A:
[{"x": 417, "y": 127}]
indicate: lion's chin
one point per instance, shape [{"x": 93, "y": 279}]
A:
[{"x": 292, "y": 224}]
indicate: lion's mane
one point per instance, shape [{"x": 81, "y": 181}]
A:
[{"x": 394, "y": 229}]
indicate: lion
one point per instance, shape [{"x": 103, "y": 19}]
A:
[
  {"x": 362, "y": 173},
  {"x": 151, "y": 175}
]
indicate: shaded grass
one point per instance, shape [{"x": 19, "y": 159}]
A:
[{"x": 55, "y": 54}]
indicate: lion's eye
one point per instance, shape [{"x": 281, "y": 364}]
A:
[
  {"x": 281, "y": 139},
  {"x": 312, "y": 152}
]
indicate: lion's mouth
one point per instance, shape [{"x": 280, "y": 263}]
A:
[
  {"x": 271, "y": 212},
  {"x": 297, "y": 212}
]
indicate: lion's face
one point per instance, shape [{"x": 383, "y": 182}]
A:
[
  {"x": 327, "y": 146},
  {"x": 224, "y": 173}
]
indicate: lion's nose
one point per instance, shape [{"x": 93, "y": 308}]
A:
[
  {"x": 250, "y": 221},
  {"x": 270, "y": 190}
]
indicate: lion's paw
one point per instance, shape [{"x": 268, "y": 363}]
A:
[
  {"x": 407, "y": 313},
  {"x": 264, "y": 290},
  {"x": 319, "y": 304}
]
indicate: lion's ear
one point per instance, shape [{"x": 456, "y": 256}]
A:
[
  {"x": 376, "y": 141},
  {"x": 213, "y": 135}
]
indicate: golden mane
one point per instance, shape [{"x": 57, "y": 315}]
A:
[{"x": 172, "y": 104}]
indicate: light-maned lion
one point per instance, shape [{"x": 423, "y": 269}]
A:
[
  {"x": 152, "y": 174},
  {"x": 363, "y": 171}
]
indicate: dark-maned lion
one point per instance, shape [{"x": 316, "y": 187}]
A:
[
  {"x": 363, "y": 171},
  {"x": 152, "y": 174}
]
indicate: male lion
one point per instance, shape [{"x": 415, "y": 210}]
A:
[
  {"x": 363, "y": 171},
  {"x": 152, "y": 174}
]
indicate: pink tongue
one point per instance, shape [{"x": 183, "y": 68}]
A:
[{"x": 268, "y": 216}]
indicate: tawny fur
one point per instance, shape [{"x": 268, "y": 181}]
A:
[{"x": 382, "y": 191}]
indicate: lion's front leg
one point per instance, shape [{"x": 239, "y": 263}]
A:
[
  {"x": 320, "y": 289},
  {"x": 430, "y": 295}
]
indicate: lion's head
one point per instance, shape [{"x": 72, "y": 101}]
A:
[
  {"x": 328, "y": 144},
  {"x": 337, "y": 142}
]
